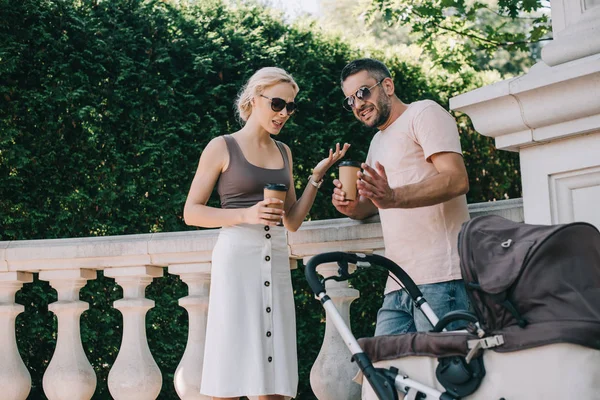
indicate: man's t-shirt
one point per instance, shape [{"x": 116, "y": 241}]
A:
[{"x": 423, "y": 241}]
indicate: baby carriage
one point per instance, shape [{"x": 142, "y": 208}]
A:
[{"x": 534, "y": 333}]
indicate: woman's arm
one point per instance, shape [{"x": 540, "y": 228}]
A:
[
  {"x": 296, "y": 210},
  {"x": 212, "y": 162}
]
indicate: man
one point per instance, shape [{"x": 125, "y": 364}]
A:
[{"x": 415, "y": 177}]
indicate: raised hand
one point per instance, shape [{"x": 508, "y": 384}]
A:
[
  {"x": 334, "y": 156},
  {"x": 261, "y": 213},
  {"x": 373, "y": 184}
]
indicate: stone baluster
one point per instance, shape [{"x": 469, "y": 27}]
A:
[
  {"x": 69, "y": 374},
  {"x": 15, "y": 380},
  {"x": 332, "y": 373},
  {"x": 134, "y": 375},
  {"x": 189, "y": 372}
]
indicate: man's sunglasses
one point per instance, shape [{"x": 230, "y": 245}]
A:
[
  {"x": 364, "y": 93},
  {"x": 278, "y": 104}
]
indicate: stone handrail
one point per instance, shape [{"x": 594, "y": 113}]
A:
[{"x": 134, "y": 261}]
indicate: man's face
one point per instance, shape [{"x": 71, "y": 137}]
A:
[{"x": 373, "y": 110}]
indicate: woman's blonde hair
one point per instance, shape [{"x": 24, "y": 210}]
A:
[{"x": 256, "y": 85}]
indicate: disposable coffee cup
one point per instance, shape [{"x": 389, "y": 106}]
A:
[
  {"x": 348, "y": 170},
  {"x": 276, "y": 191}
]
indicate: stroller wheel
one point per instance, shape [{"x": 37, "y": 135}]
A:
[{"x": 459, "y": 378}]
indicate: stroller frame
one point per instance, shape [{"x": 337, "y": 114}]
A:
[{"x": 385, "y": 383}]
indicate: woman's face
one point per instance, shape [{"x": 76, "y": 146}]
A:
[{"x": 274, "y": 97}]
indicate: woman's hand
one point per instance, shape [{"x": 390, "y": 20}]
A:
[
  {"x": 261, "y": 213},
  {"x": 321, "y": 169}
]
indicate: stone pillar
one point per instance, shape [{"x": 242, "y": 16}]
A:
[
  {"x": 188, "y": 375},
  {"x": 69, "y": 374},
  {"x": 551, "y": 116},
  {"x": 15, "y": 381},
  {"x": 134, "y": 375},
  {"x": 575, "y": 29},
  {"x": 332, "y": 373}
]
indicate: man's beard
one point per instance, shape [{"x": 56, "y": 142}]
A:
[{"x": 383, "y": 110}]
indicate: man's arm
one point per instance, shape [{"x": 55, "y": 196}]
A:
[{"x": 451, "y": 181}]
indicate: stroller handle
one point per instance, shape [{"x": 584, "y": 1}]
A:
[{"x": 337, "y": 256}]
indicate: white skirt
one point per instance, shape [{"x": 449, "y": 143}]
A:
[{"x": 250, "y": 345}]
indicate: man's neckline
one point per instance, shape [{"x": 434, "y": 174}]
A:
[{"x": 399, "y": 118}]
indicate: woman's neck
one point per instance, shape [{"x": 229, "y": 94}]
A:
[{"x": 255, "y": 133}]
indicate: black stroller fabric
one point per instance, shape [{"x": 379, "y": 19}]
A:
[{"x": 548, "y": 275}]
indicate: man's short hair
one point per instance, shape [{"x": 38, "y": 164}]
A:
[{"x": 376, "y": 69}]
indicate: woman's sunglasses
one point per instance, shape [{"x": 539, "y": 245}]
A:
[
  {"x": 364, "y": 93},
  {"x": 278, "y": 104}
]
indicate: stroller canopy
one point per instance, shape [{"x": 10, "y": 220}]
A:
[{"x": 533, "y": 284}]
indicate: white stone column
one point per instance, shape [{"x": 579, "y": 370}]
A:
[
  {"x": 575, "y": 29},
  {"x": 332, "y": 373},
  {"x": 551, "y": 116},
  {"x": 15, "y": 380},
  {"x": 188, "y": 375},
  {"x": 69, "y": 374},
  {"x": 134, "y": 375}
]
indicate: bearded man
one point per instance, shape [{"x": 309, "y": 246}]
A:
[{"x": 416, "y": 179}]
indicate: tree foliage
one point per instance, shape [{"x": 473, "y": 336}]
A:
[
  {"x": 458, "y": 32},
  {"x": 105, "y": 107}
]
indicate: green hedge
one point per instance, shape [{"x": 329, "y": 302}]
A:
[{"x": 105, "y": 109}]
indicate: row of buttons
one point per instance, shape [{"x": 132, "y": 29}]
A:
[
  {"x": 268, "y": 309},
  {"x": 267, "y": 283}
]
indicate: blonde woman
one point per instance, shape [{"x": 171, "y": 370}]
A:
[{"x": 250, "y": 345}]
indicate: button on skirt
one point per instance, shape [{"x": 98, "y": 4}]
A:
[{"x": 250, "y": 345}]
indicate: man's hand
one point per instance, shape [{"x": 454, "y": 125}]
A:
[
  {"x": 373, "y": 184},
  {"x": 339, "y": 201}
]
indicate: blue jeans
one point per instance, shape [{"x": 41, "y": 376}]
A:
[{"x": 398, "y": 313}]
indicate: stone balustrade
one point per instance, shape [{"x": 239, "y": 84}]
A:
[{"x": 134, "y": 261}]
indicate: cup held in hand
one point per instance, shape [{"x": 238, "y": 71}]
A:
[
  {"x": 348, "y": 178},
  {"x": 277, "y": 191}
]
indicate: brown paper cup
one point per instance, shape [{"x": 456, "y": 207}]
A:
[
  {"x": 276, "y": 191},
  {"x": 348, "y": 170}
]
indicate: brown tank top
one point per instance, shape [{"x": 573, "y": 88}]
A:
[{"x": 242, "y": 183}]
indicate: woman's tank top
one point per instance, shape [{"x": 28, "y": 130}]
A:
[{"x": 242, "y": 183}]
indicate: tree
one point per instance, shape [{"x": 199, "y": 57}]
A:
[
  {"x": 456, "y": 33},
  {"x": 345, "y": 17}
]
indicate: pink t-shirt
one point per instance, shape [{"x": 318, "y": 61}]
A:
[{"x": 421, "y": 240}]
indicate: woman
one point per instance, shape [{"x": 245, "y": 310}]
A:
[{"x": 250, "y": 347}]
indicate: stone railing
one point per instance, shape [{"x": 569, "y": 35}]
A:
[{"x": 134, "y": 261}]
